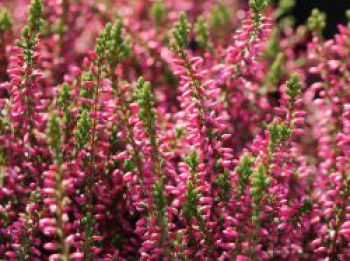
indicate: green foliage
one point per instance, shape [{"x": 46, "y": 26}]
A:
[
  {"x": 294, "y": 87},
  {"x": 219, "y": 17},
  {"x": 283, "y": 8},
  {"x": 286, "y": 4},
  {"x": 224, "y": 183},
  {"x": 64, "y": 101},
  {"x": 202, "y": 33},
  {"x": 145, "y": 98},
  {"x": 179, "y": 132},
  {"x": 158, "y": 12},
  {"x": 260, "y": 182},
  {"x": 275, "y": 73},
  {"x": 273, "y": 46},
  {"x": 54, "y": 135},
  {"x": 189, "y": 207},
  {"x": 279, "y": 132},
  {"x": 348, "y": 16},
  {"x": 64, "y": 95},
  {"x": 83, "y": 127},
  {"x": 88, "y": 222},
  {"x": 306, "y": 207},
  {"x": 192, "y": 160},
  {"x": 181, "y": 33},
  {"x": 31, "y": 31},
  {"x": 35, "y": 16},
  {"x": 244, "y": 170},
  {"x": 258, "y": 5},
  {"x": 112, "y": 45},
  {"x": 4, "y": 127},
  {"x": 160, "y": 202},
  {"x": 317, "y": 21},
  {"x": 5, "y": 20}
]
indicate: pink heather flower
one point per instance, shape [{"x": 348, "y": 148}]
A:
[{"x": 215, "y": 159}]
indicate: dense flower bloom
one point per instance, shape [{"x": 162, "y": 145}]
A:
[{"x": 172, "y": 130}]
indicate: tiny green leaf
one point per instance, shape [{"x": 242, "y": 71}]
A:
[
  {"x": 181, "y": 33},
  {"x": 317, "y": 21}
]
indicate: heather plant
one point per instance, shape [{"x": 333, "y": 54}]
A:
[{"x": 172, "y": 130}]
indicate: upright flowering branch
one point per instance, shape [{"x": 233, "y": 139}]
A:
[
  {"x": 25, "y": 89},
  {"x": 55, "y": 184},
  {"x": 340, "y": 227},
  {"x": 191, "y": 104},
  {"x": 248, "y": 40},
  {"x": 64, "y": 102},
  {"x": 158, "y": 209},
  {"x": 258, "y": 6},
  {"x": 118, "y": 49},
  {"x": 29, "y": 81},
  {"x": 83, "y": 128},
  {"x": 317, "y": 22},
  {"x": 327, "y": 61},
  {"x": 260, "y": 179},
  {"x": 205, "y": 124},
  {"x": 239, "y": 72},
  {"x": 219, "y": 164},
  {"x": 5, "y": 29},
  {"x": 267, "y": 164},
  {"x": 158, "y": 12},
  {"x": 23, "y": 150}
]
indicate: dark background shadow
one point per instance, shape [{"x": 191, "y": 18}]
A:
[{"x": 335, "y": 10}]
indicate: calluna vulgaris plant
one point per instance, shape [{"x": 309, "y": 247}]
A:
[{"x": 172, "y": 130}]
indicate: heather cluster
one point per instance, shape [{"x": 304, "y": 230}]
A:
[{"x": 172, "y": 130}]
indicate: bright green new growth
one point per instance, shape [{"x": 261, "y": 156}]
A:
[
  {"x": 83, "y": 127},
  {"x": 283, "y": 13},
  {"x": 158, "y": 12},
  {"x": 147, "y": 115},
  {"x": 279, "y": 132},
  {"x": 202, "y": 33},
  {"x": 54, "y": 134},
  {"x": 258, "y": 5},
  {"x": 160, "y": 201},
  {"x": 31, "y": 31},
  {"x": 275, "y": 73},
  {"x": 286, "y": 4},
  {"x": 192, "y": 160},
  {"x": 244, "y": 170},
  {"x": 317, "y": 21},
  {"x": 294, "y": 88},
  {"x": 181, "y": 33},
  {"x": 112, "y": 44},
  {"x": 189, "y": 207},
  {"x": 260, "y": 182},
  {"x": 219, "y": 17},
  {"x": 35, "y": 16},
  {"x": 88, "y": 222},
  {"x": 348, "y": 17},
  {"x": 145, "y": 98},
  {"x": 5, "y": 21},
  {"x": 63, "y": 95},
  {"x": 63, "y": 101},
  {"x": 224, "y": 183}
]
